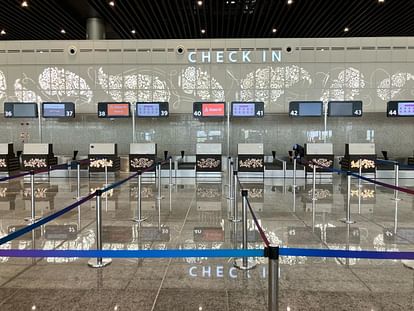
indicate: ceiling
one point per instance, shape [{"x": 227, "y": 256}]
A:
[{"x": 185, "y": 19}]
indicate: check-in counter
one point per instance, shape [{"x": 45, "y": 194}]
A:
[
  {"x": 208, "y": 157},
  {"x": 321, "y": 154},
  {"x": 37, "y": 156},
  {"x": 357, "y": 154},
  {"x": 8, "y": 161},
  {"x": 101, "y": 155},
  {"x": 250, "y": 158},
  {"x": 142, "y": 156}
]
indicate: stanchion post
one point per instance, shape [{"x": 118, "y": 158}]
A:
[
  {"x": 244, "y": 263},
  {"x": 284, "y": 169},
  {"x": 396, "y": 180},
  {"x": 78, "y": 193},
  {"x": 360, "y": 173},
  {"x": 170, "y": 171},
  {"x": 106, "y": 174},
  {"x": 231, "y": 185},
  {"x": 138, "y": 217},
  {"x": 234, "y": 216},
  {"x": 32, "y": 217},
  {"x": 348, "y": 220},
  {"x": 273, "y": 278},
  {"x": 159, "y": 197},
  {"x": 294, "y": 172},
  {"x": 314, "y": 183},
  {"x": 99, "y": 262},
  {"x": 229, "y": 171}
]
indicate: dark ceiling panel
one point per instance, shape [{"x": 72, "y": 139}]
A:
[{"x": 165, "y": 19}]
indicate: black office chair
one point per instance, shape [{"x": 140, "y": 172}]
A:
[{"x": 385, "y": 154}]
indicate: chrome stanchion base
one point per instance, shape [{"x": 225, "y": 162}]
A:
[
  {"x": 139, "y": 220},
  {"x": 408, "y": 263},
  {"x": 396, "y": 199},
  {"x": 31, "y": 219},
  {"x": 159, "y": 198},
  {"x": 251, "y": 264},
  {"x": 94, "y": 263},
  {"x": 314, "y": 199},
  {"x": 346, "y": 221}
]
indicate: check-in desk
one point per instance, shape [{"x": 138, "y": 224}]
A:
[
  {"x": 8, "y": 161},
  {"x": 142, "y": 156},
  {"x": 208, "y": 159},
  {"x": 37, "y": 156},
  {"x": 321, "y": 154},
  {"x": 101, "y": 155},
  {"x": 359, "y": 153},
  {"x": 250, "y": 159},
  {"x": 185, "y": 165}
]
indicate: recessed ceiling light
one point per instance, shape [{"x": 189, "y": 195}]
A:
[
  {"x": 289, "y": 1},
  {"x": 62, "y": 31},
  {"x": 203, "y": 31},
  {"x": 381, "y": 1},
  {"x": 2, "y": 32},
  {"x": 346, "y": 29},
  {"x": 199, "y": 3},
  {"x": 133, "y": 31},
  {"x": 25, "y": 4},
  {"x": 232, "y": 2},
  {"x": 274, "y": 30},
  {"x": 111, "y": 3}
]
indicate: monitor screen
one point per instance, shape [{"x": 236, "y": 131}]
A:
[
  {"x": 53, "y": 110},
  {"x": 213, "y": 110},
  {"x": 28, "y": 110},
  {"x": 406, "y": 108},
  {"x": 118, "y": 110},
  {"x": 341, "y": 109},
  {"x": 148, "y": 110},
  {"x": 310, "y": 109},
  {"x": 243, "y": 109}
]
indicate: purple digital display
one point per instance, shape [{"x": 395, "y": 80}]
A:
[
  {"x": 406, "y": 108},
  {"x": 243, "y": 110}
]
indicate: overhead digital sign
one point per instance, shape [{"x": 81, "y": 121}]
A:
[
  {"x": 20, "y": 110},
  {"x": 400, "y": 109},
  {"x": 152, "y": 110},
  {"x": 58, "y": 110},
  {"x": 305, "y": 108},
  {"x": 345, "y": 108},
  {"x": 247, "y": 109},
  {"x": 114, "y": 110},
  {"x": 203, "y": 110}
]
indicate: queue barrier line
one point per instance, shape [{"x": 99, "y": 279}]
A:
[
  {"x": 45, "y": 220},
  {"x": 209, "y": 253},
  {"x": 53, "y": 216}
]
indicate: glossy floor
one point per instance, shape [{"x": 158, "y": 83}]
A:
[{"x": 193, "y": 214}]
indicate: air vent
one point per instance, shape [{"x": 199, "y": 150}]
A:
[
  {"x": 203, "y": 49},
  {"x": 353, "y": 48},
  {"x": 233, "y": 49},
  {"x": 337, "y": 48},
  {"x": 28, "y": 51},
  {"x": 115, "y": 50},
  {"x": 307, "y": 48},
  {"x": 247, "y": 49},
  {"x": 170, "y": 50},
  {"x": 217, "y": 49},
  {"x": 42, "y": 51},
  {"x": 384, "y": 48},
  {"x": 99, "y": 50},
  {"x": 368, "y": 48},
  {"x": 158, "y": 50},
  {"x": 399, "y": 47},
  {"x": 144, "y": 50},
  {"x": 56, "y": 50},
  {"x": 130, "y": 50},
  {"x": 2, "y": 51},
  {"x": 85, "y": 50},
  {"x": 322, "y": 48},
  {"x": 191, "y": 50},
  {"x": 262, "y": 49},
  {"x": 13, "y": 51},
  {"x": 411, "y": 47},
  {"x": 279, "y": 49}
]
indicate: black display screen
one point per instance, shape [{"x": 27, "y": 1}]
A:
[
  {"x": 247, "y": 109},
  {"x": 345, "y": 108},
  {"x": 58, "y": 110},
  {"x": 209, "y": 109},
  {"x": 305, "y": 109},
  {"x": 20, "y": 110},
  {"x": 152, "y": 110},
  {"x": 114, "y": 110},
  {"x": 400, "y": 109}
]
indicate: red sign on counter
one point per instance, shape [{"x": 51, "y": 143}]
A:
[{"x": 213, "y": 109}]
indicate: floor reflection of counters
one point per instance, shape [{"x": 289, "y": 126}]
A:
[{"x": 45, "y": 194}]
